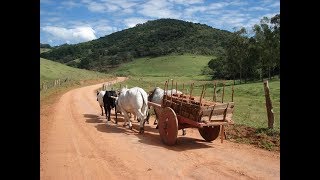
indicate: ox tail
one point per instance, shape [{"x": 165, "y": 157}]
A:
[{"x": 144, "y": 108}]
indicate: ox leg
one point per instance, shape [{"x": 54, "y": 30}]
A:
[
  {"x": 115, "y": 111},
  {"x": 141, "y": 131},
  {"x": 135, "y": 117},
  {"x": 142, "y": 120},
  {"x": 184, "y": 132},
  {"x": 147, "y": 119},
  {"x": 156, "y": 120},
  {"x": 109, "y": 113},
  {"x": 101, "y": 110},
  {"x": 106, "y": 112},
  {"x": 126, "y": 118}
]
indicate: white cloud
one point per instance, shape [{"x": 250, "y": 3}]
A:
[
  {"x": 96, "y": 7},
  {"x": 257, "y": 8},
  {"x": 75, "y": 35},
  {"x": 190, "y": 11},
  {"x": 275, "y": 4},
  {"x": 125, "y": 6},
  {"x": 70, "y": 4},
  {"x": 218, "y": 5},
  {"x": 212, "y": 8},
  {"x": 184, "y": 2},
  {"x": 122, "y": 3},
  {"x": 159, "y": 9},
  {"x": 131, "y": 22},
  {"x": 53, "y": 19}
]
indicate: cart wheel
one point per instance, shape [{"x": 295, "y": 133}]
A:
[
  {"x": 209, "y": 133},
  {"x": 168, "y": 126}
]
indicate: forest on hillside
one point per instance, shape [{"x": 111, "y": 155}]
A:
[{"x": 153, "y": 38}]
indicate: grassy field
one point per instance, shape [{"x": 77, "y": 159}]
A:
[
  {"x": 250, "y": 110},
  {"x": 50, "y": 70},
  {"x": 165, "y": 66},
  {"x": 70, "y": 77}
]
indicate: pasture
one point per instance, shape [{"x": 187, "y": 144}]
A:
[
  {"x": 250, "y": 110},
  {"x": 69, "y": 76}
]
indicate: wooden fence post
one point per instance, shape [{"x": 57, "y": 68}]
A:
[
  {"x": 232, "y": 94},
  {"x": 268, "y": 105},
  {"x": 223, "y": 91},
  {"x": 214, "y": 92}
]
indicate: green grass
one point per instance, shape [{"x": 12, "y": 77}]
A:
[
  {"x": 165, "y": 66},
  {"x": 249, "y": 99},
  {"x": 70, "y": 77},
  {"x": 50, "y": 70}
]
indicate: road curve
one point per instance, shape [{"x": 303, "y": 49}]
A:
[{"x": 76, "y": 143}]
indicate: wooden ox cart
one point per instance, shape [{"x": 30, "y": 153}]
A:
[{"x": 184, "y": 111}]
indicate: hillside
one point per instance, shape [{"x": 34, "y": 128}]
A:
[
  {"x": 153, "y": 38},
  {"x": 164, "y": 66},
  {"x": 50, "y": 71}
]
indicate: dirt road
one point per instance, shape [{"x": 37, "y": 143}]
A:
[{"x": 77, "y": 144}]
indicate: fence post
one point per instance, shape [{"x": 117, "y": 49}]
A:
[
  {"x": 223, "y": 91},
  {"x": 214, "y": 91},
  {"x": 268, "y": 105},
  {"x": 232, "y": 93}
]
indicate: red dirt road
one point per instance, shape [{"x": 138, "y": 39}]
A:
[{"x": 77, "y": 144}]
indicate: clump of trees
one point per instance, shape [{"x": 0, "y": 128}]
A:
[{"x": 249, "y": 58}]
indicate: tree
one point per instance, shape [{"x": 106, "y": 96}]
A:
[
  {"x": 267, "y": 35},
  {"x": 237, "y": 53}
]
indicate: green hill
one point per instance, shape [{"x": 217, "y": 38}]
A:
[
  {"x": 153, "y": 38},
  {"x": 50, "y": 71},
  {"x": 165, "y": 66}
]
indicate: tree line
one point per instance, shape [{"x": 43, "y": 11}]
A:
[{"x": 250, "y": 58}]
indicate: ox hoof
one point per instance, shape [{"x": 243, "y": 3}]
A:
[
  {"x": 157, "y": 127},
  {"x": 141, "y": 131},
  {"x": 184, "y": 132},
  {"x": 130, "y": 128},
  {"x": 124, "y": 125}
]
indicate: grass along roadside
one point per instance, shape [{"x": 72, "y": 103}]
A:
[
  {"x": 250, "y": 114},
  {"x": 50, "y": 71}
]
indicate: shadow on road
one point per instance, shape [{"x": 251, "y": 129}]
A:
[
  {"x": 152, "y": 137},
  {"x": 92, "y": 118}
]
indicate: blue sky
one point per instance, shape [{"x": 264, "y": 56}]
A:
[{"x": 75, "y": 21}]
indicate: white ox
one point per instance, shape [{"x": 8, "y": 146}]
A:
[
  {"x": 135, "y": 101},
  {"x": 100, "y": 95},
  {"x": 156, "y": 96}
]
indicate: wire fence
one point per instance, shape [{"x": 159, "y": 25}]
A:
[{"x": 53, "y": 83}]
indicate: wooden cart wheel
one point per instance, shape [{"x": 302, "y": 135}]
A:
[
  {"x": 209, "y": 133},
  {"x": 168, "y": 126}
]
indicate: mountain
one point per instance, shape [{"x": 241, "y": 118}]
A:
[{"x": 153, "y": 38}]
